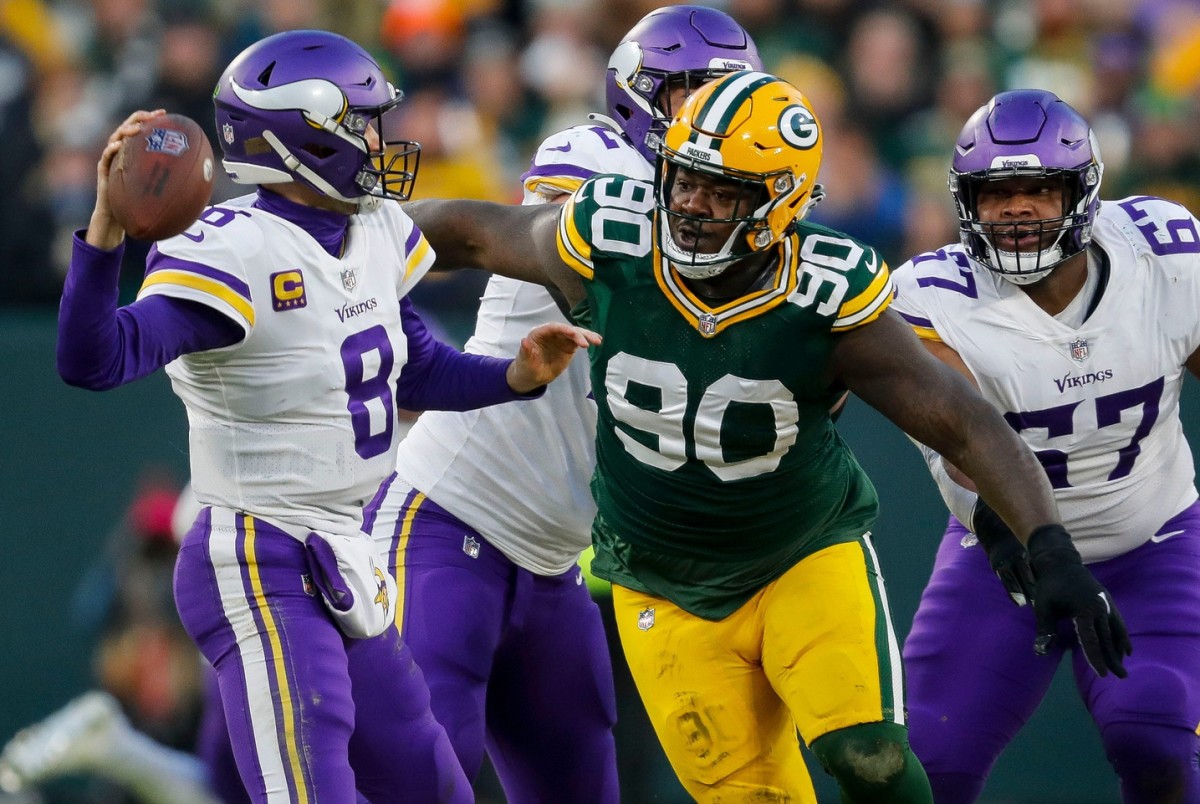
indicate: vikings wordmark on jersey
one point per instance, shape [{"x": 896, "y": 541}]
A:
[
  {"x": 1097, "y": 403},
  {"x": 264, "y": 435}
]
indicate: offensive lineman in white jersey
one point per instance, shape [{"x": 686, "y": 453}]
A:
[
  {"x": 1077, "y": 320},
  {"x": 283, "y": 321},
  {"x": 490, "y": 509}
]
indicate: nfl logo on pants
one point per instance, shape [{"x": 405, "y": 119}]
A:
[{"x": 646, "y": 619}]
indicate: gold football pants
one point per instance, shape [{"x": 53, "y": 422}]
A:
[{"x": 814, "y": 650}]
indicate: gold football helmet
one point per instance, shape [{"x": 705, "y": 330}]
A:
[{"x": 752, "y": 129}]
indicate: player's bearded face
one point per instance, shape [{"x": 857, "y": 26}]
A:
[
  {"x": 1022, "y": 215},
  {"x": 708, "y": 208}
]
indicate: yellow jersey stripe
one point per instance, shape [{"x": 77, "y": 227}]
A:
[
  {"x": 572, "y": 248},
  {"x": 691, "y": 307},
  {"x": 564, "y": 184},
  {"x": 205, "y": 285},
  {"x": 865, "y": 298},
  {"x": 927, "y": 334},
  {"x": 420, "y": 253},
  {"x": 870, "y": 312},
  {"x": 280, "y": 671}
]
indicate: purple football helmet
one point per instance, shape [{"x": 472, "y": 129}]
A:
[
  {"x": 299, "y": 106},
  {"x": 1027, "y": 133},
  {"x": 686, "y": 44}
]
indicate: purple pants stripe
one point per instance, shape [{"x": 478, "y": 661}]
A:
[
  {"x": 271, "y": 645},
  {"x": 313, "y": 716},
  {"x": 397, "y": 545}
]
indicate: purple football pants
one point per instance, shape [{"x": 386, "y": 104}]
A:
[
  {"x": 313, "y": 716},
  {"x": 516, "y": 662},
  {"x": 974, "y": 680},
  {"x": 214, "y": 748}
]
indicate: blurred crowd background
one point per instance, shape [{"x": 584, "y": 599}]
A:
[
  {"x": 486, "y": 80},
  {"x": 892, "y": 83}
]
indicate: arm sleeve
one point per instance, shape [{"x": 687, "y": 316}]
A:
[
  {"x": 102, "y": 347},
  {"x": 439, "y": 377}
]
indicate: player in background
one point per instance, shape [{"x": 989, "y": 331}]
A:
[
  {"x": 732, "y": 519},
  {"x": 490, "y": 509},
  {"x": 92, "y": 735},
  {"x": 283, "y": 321},
  {"x": 1077, "y": 319}
]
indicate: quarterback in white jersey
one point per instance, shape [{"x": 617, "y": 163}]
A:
[
  {"x": 1077, "y": 320},
  {"x": 503, "y": 493},
  {"x": 266, "y": 436},
  {"x": 283, "y": 321}
]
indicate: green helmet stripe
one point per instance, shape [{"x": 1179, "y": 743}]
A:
[{"x": 719, "y": 110}]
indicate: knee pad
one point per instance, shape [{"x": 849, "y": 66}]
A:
[
  {"x": 873, "y": 762},
  {"x": 1154, "y": 762}
]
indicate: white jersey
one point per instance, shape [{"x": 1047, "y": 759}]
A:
[
  {"x": 1099, "y": 404},
  {"x": 519, "y": 474},
  {"x": 297, "y": 422}
]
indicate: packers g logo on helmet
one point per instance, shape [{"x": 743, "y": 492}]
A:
[
  {"x": 755, "y": 129},
  {"x": 798, "y": 127}
]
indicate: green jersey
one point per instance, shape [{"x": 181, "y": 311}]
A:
[{"x": 718, "y": 466}]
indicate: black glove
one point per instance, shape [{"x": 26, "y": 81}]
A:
[
  {"x": 1005, "y": 553},
  {"x": 1067, "y": 589}
]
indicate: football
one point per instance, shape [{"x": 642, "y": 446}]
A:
[{"x": 162, "y": 178}]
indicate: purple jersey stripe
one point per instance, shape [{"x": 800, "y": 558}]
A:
[
  {"x": 414, "y": 237},
  {"x": 157, "y": 261},
  {"x": 556, "y": 170},
  {"x": 917, "y": 321}
]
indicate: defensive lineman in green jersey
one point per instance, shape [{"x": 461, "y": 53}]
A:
[
  {"x": 718, "y": 465},
  {"x": 733, "y": 521}
]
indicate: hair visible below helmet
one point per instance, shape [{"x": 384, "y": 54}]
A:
[
  {"x": 758, "y": 131},
  {"x": 688, "y": 44},
  {"x": 1027, "y": 133},
  {"x": 296, "y": 106}
]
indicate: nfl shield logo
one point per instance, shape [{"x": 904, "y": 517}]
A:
[
  {"x": 349, "y": 280},
  {"x": 1079, "y": 350},
  {"x": 708, "y": 325},
  {"x": 227, "y": 133},
  {"x": 471, "y": 547},
  {"x": 167, "y": 141},
  {"x": 646, "y": 619}
]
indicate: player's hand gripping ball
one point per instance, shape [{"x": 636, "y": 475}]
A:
[{"x": 162, "y": 178}]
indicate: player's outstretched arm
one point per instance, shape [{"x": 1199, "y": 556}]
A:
[
  {"x": 514, "y": 241},
  {"x": 884, "y": 364}
]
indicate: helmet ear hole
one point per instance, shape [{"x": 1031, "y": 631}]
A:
[{"x": 318, "y": 150}]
